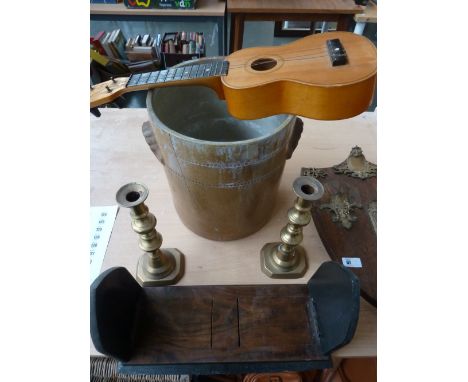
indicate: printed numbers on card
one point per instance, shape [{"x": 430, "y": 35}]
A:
[{"x": 352, "y": 262}]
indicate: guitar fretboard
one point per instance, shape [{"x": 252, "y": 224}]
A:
[{"x": 211, "y": 69}]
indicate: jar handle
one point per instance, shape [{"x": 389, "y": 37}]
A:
[
  {"x": 151, "y": 140},
  {"x": 295, "y": 136}
]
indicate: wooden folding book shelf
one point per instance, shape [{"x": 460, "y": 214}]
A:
[{"x": 223, "y": 329}]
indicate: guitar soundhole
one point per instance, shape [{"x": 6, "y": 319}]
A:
[{"x": 263, "y": 64}]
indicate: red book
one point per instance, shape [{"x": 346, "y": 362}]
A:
[{"x": 96, "y": 42}]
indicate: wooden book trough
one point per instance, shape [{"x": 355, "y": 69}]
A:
[{"x": 224, "y": 329}]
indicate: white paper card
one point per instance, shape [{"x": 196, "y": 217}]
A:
[
  {"x": 352, "y": 262},
  {"x": 101, "y": 223}
]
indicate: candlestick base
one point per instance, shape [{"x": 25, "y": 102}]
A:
[
  {"x": 170, "y": 274},
  {"x": 273, "y": 267}
]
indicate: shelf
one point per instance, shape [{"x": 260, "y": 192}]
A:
[
  {"x": 224, "y": 329},
  {"x": 204, "y": 8},
  {"x": 297, "y": 6}
]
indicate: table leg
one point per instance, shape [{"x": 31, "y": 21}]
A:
[
  {"x": 359, "y": 28},
  {"x": 237, "y": 31},
  {"x": 343, "y": 22},
  {"x": 225, "y": 34},
  {"x": 221, "y": 36},
  {"x": 328, "y": 374}
]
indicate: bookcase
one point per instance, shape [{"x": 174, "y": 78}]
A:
[{"x": 209, "y": 17}]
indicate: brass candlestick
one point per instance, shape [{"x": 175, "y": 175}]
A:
[
  {"x": 156, "y": 266},
  {"x": 287, "y": 260}
]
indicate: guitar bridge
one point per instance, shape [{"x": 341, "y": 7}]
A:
[{"x": 336, "y": 52}]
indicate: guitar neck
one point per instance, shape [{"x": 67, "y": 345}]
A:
[
  {"x": 186, "y": 73},
  {"x": 206, "y": 74}
]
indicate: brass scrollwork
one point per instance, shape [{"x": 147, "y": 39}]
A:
[
  {"x": 342, "y": 210},
  {"x": 372, "y": 211},
  {"x": 356, "y": 165},
  {"x": 313, "y": 172}
]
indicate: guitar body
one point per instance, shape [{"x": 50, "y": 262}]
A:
[
  {"x": 310, "y": 77},
  {"x": 303, "y": 81}
]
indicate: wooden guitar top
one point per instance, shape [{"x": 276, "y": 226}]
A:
[{"x": 305, "y": 61}]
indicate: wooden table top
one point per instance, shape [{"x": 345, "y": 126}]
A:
[
  {"x": 119, "y": 154},
  {"x": 294, "y": 6},
  {"x": 204, "y": 8}
]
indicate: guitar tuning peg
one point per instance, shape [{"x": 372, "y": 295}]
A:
[
  {"x": 95, "y": 111},
  {"x": 108, "y": 89}
]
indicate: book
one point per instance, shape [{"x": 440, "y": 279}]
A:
[
  {"x": 155, "y": 46},
  {"x": 142, "y": 49},
  {"x": 106, "y": 47},
  {"x": 96, "y": 41},
  {"x": 138, "y": 40},
  {"x": 98, "y": 57},
  {"x": 130, "y": 43},
  {"x": 119, "y": 43},
  {"x": 112, "y": 45},
  {"x": 141, "y": 53}
]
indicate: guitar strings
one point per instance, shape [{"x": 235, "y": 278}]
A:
[
  {"x": 297, "y": 58},
  {"x": 320, "y": 49},
  {"x": 305, "y": 57},
  {"x": 304, "y": 50},
  {"x": 300, "y": 50},
  {"x": 301, "y": 58},
  {"x": 288, "y": 58}
]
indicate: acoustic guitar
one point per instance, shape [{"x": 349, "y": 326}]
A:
[{"x": 325, "y": 76}]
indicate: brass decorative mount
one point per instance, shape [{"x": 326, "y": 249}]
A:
[
  {"x": 287, "y": 259},
  {"x": 356, "y": 165},
  {"x": 156, "y": 266},
  {"x": 314, "y": 172},
  {"x": 341, "y": 210}
]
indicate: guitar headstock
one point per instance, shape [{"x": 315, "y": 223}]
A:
[{"x": 107, "y": 91}]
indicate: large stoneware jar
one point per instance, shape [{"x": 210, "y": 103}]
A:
[{"x": 223, "y": 172}]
